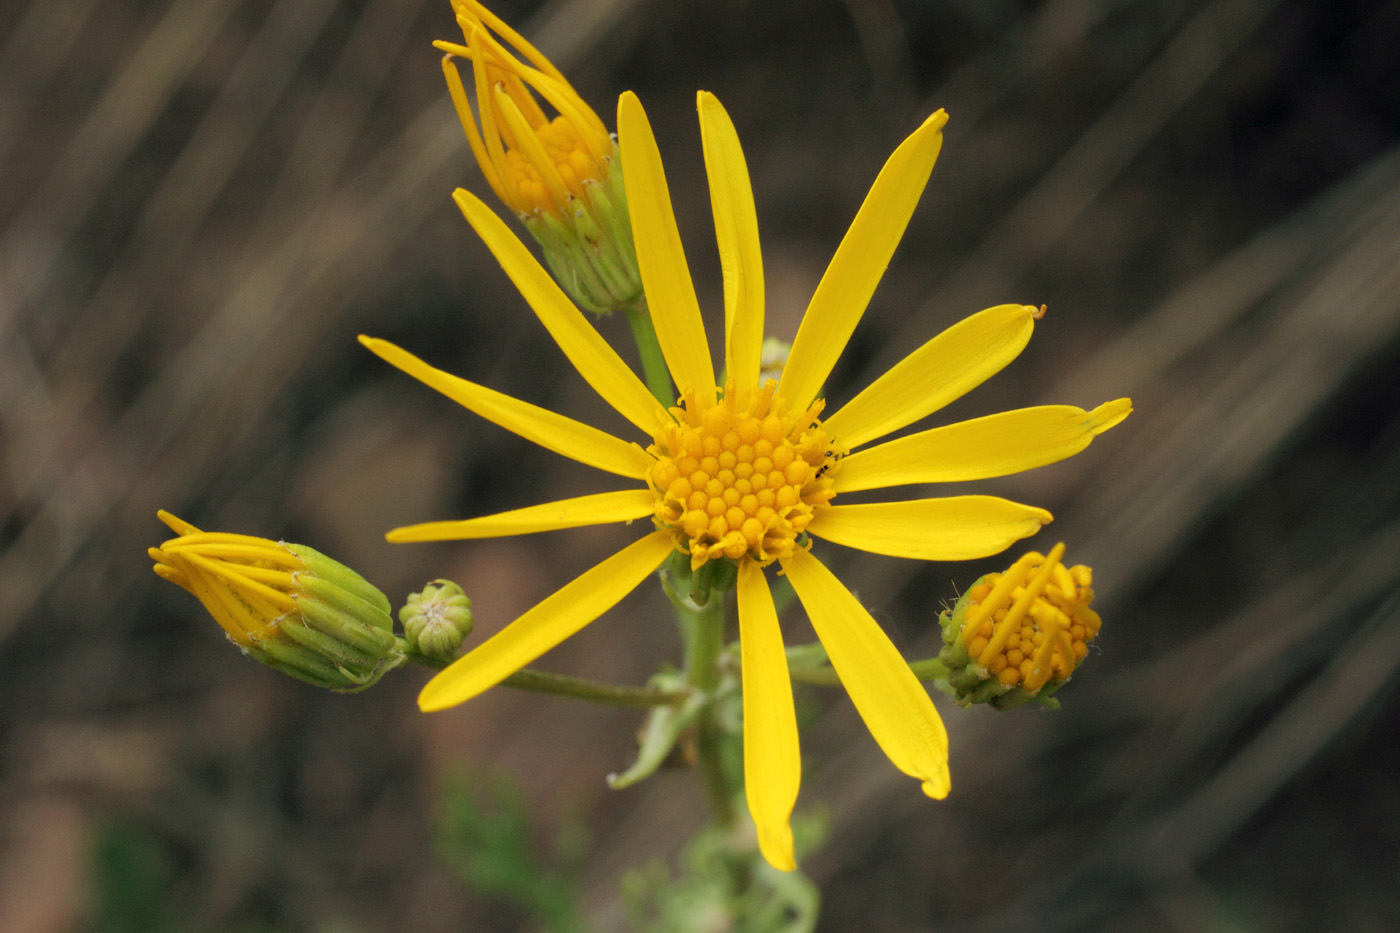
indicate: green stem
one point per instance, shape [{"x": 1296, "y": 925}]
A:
[
  {"x": 658, "y": 377},
  {"x": 823, "y": 675},
  {"x": 561, "y": 685},
  {"x": 702, "y": 628}
]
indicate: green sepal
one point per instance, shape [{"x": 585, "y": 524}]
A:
[
  {"x": 717, "y": 575},
  {"x": 341, "y": 576},
  {"x": 354, "y": 637},
  {"x": 296, "y": 661},
  {"x": 296, "y": 626},
  {"x": 589, "y": 246}
]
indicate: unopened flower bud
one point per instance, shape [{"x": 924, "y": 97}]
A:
[
  {"x": 1017, "y": 636},
  {"x": 436, "y": 619},
  {"x": 285, "y": 605},
  {"x": 560, "y": 175}
]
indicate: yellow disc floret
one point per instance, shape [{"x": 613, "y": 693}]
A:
[
  {"x": 563, "y": 147},
  {"x": 1033, "y": 623},
  {"x": 742, "y": 478}
]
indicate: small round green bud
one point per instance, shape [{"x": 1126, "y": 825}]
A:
[
  {"x": 437, "y": 619},
  {"x": 285, "y": 605}
]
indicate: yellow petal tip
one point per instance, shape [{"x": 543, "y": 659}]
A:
[
  {"x": 430, "y": 698},
  {"x": 465, "y": 199},
  {"x": 938, "y": 787},
  {"x": 1109, "y": 414},
  {"x": 777, "y": 848}
]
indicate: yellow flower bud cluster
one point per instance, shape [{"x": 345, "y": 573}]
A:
[{"x": 1019, "y": 635}]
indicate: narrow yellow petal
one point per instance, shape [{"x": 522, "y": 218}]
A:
[
  {"x": 503, "y": 29},
  {"x": 675, "y": 312},
  {"x": 895, "y": 706},
  {"x": 736, "y": 229},
  {"x": 996, "y": 445},
  {"x": 177, "y": 525},
  {"x": 551, "y": 621},
  {"x": 942, "y": 370},
  {"x": 860, "y": 261},
  {"x": 528, "y": 144},
  {"x": 600, "y": 509},
  {"x": 954, "y": 528},
  {"x": 591, "y": 355},
  {"x": 552, "y": 431},
  {"x": 772, "y": 760}
]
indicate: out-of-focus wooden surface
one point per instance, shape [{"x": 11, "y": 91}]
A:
[{"x": 202, "y": 202}]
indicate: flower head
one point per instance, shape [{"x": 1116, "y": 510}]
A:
[
  {"x": 743, "y": 478},
  {"x": 558, "y": 174},
  {"x": 751, "y": 471},
  {"x": 286, "y": 605},
  {"x": 1017, "y": 636}
]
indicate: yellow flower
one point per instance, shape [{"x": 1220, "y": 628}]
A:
[
  {"x": 559, "y": 175},
  {"x": 748, "y": 472},
  {"x": 1017, "y": 636}
]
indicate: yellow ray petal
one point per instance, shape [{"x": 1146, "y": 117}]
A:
[
  {"x": 860, "y": 261},
  {"x": 946, "y": 368},
  {"x": 600, "y": 509},
  {"x": 954, "y": 528},
  {"x": 177, "y": 525},
  {"x": 895, "y": 706},
  {"x": 665, "y": 275},
  {"x": 736, "y": 229},
  {"x": 552, "y": 431},
  {"x": 551, "y": 621},
  {"x": 996, "y": 445},
  {"x": 772, "y": 761},
  {"x": 591, "y": 355}
]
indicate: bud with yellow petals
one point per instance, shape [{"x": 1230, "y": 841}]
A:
[
  {"x": 561, "y": 175},
  {"x": 286, "y": 605},
  {"x": 1017, "y": 636}
]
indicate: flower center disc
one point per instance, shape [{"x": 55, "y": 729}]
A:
[
  {"x": 565, "y": 148},
  {"x": 743, "y": 478}
]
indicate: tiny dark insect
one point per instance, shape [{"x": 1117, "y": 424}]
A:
[{"x": 835, "y": 457}]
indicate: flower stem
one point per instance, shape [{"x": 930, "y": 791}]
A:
[
  {"x": 702, "y": 628},
  {"x": 561, "y": 685},
  {"x": 818, "y": 672},
  {"x": 580, "y": 689},
  {"x": 658, "y": 377}
]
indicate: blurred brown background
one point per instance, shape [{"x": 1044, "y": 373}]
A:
[{"x": 203, "y": 201}]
